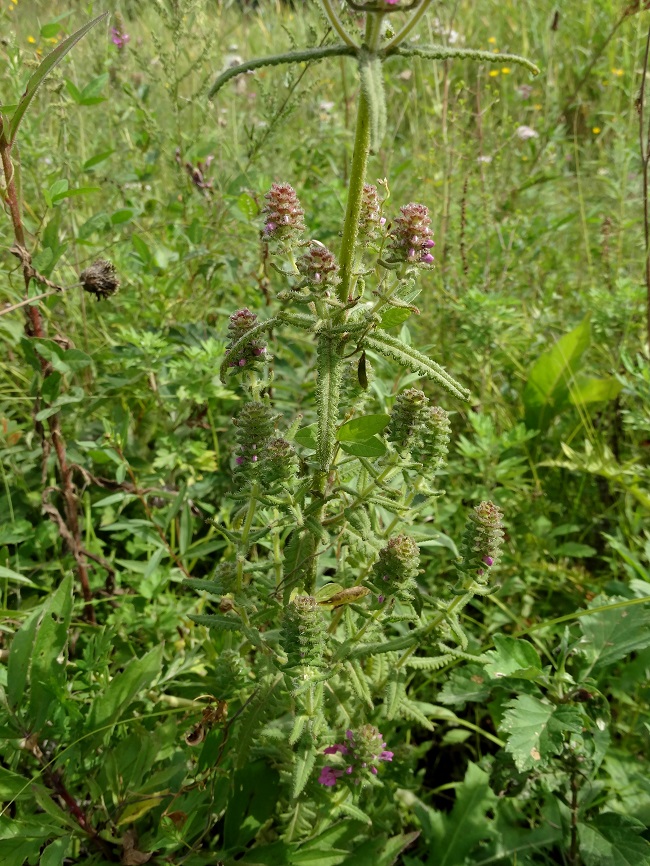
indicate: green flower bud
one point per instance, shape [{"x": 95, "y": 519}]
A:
[
  {"x": 406, "y": 418},
  {"x": 482, "y": 541},
  {"x": 279, "y": 462},
  {"x": 433, "y": 446},
  {"x": 397, "y": 567},
  {"x": 303, "y": 632},
  {"x": 255, "y": 428},
  {"x": 253, "y": 352}
]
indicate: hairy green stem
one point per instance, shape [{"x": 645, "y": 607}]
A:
[{"x": 357, "y": 172}]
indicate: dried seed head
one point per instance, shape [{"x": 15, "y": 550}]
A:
[
  {"x": 369, "y": 217},
  {"x": 411, "y": 236},
  {"x": 99, "y": 279},
  {"x": 284, "y": 216},
  {"x": 319, "y": 267}
]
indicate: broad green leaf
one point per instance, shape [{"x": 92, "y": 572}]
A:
[
  {"x": 44, "y": 69},
  {"x": 547, "y": 389},
  {"x": 452, "y": 836},
  {"x": 247, "y": 206},
  {"x": 611, "y": 635},
  {"x": 361, "y": 429},
  {"x": 370, "y": 448},
  {"x": 587, "y": 390},
  {"x": 306, "y": 437},
  {"x": 465, "y": 685},
  {"x": 56, "y": 852},
  {"x": 537, "y": 730},
  {"x": 90, "y": 95},
  {"x": 513, "y": 657},
  {"x": 123, "y": 689},
  {"x": 394, "y": 317},
  {"x": 612, "y": 839}
]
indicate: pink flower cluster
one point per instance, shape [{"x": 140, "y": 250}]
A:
[
  {"x": 362, "y": 753},
  {"x": 119, "y": 37}
]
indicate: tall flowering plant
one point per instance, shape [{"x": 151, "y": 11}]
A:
[{"x": 321, "y": 594}]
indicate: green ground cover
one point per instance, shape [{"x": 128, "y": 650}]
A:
[{"x": 130, "y": 732}]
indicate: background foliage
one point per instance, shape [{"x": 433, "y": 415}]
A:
[{"x": 537, "y": 753}]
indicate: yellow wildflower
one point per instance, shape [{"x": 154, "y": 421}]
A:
[
  {"x": 596, "y": 130},
  {"x": 31, "y": 40},
  {"x": 617, "y": 72},
  {"x": 492, "y": 40},
  {"x": 493, "y": 73},
  {"x": 505, "y": 70}
]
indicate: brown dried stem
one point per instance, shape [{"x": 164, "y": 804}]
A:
[{"x": 34, "y": 328}]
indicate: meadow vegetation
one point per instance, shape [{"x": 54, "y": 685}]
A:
[{"x": 197, "y": 653}]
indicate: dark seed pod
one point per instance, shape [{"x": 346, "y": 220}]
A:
[{"x": 100, "y": 279}]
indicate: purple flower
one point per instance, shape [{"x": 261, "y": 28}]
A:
[
  {"x": 335, "y": 749},
  {"x": 328, "y": 776},
  {"x": 488, "y": 560},
  {"x": 365, "y": 749},
  {"x": 119, "y": 38}
]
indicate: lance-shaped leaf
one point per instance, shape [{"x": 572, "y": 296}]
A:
[
  {"x": 436, "y": 52},
  {"x": 44, "y": 69},
  {"x": 416, "y": 362},
  {"x": 308, "y": 55}
]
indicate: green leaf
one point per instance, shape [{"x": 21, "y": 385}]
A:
[
  {"x": 361, "y": 429},
  {"x": 371, "y": 448},
  {"x": 219, "y": 621},
  {"x": 547, "y": 389},
  {"x": 452, "y": 836},
  {"x": 513, "y": 657},
  {"x": 611, "y": 635},
  {"x": 46, "y": 66},
  {"x": 306, "y": 437},
  {"x": 247, "y": 206},
  {"x": 613, "y": 840},
  {"x": 122, "y": 690},
  {"x": 56, "y": 852},
  {"x": 71, "y": 193},
  {"x": 537, "y": 730},
  {"x": 588, "y": 390},
  {"x": 90, "y": 93},
  {"x": 465, "y": 685},
  {"x": 97, "y": 159},
  {"x": 304, "y": 760},
  {"x": 573, "y": 548},
  {"x": 47, "y": 673},
  {"x": 10, "y": 574},
  {"x": 407, "y": 356},
  {"x": 21, "y": 656},
  {"x": 380, "y": 851},
  {"x": 394, "y": 317}
]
